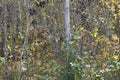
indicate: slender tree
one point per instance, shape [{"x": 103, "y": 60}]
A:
[
  {"x": 25, "y": 45},
  {"x": 20, "y": 13},
  {"x": 69, "y": 75},
  {"x": 5, "y": 39},
  {"x": 67, "y": 20}
]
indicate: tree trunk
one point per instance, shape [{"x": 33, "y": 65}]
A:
[
  {"x": 5, "y": 39},
  {"x": 69, "y": 75}
]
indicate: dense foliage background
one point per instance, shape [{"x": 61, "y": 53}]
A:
[{"x": 33, "y": 43}]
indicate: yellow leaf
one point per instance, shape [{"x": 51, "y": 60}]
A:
[
  {"x": 113, "y": 8},
  {"x": 116, "y": 57},
  {"x": 105, "y": 54}
]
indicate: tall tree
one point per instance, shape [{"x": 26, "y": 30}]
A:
[
  {"x": 69, "y": 76},
  {"x": 5, "y": 38},
  {"x": 67, "y": 24}
]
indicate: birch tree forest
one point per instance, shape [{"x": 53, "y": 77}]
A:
[{"x": 59, "y": 39}]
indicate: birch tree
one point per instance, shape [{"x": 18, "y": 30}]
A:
[
  {"x": 67, "y": 25},
  {"x": 25, "y": 45},
  {"x": 5, "y": 39},
  {"x": 68, "y": 38}
]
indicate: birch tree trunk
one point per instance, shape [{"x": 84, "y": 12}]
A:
[
  {"x": 67, "y": 25},
  {"x": 25, "y": 45},
  {"x": 67, "y": 20},
  {"x": 69, "y": 75}
]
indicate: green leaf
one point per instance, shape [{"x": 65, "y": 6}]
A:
[
  {"x": 95, "y": 34},
  {"x": 76, "y": 37},
  {"x": 71, "y": 42},
  {"x": 32, "y": 49}
]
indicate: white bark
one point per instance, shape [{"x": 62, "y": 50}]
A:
[
  {"x": 68, "y": 38},
  {"x": 67, "y": 26},
  {"x": 67, "y": 20},
  {"x": 67, "y": 30}
]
